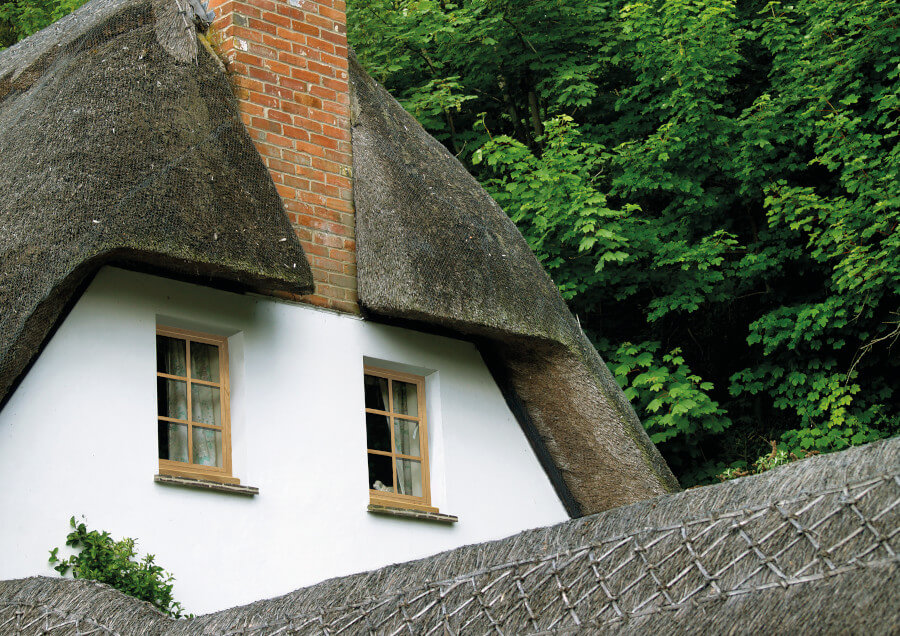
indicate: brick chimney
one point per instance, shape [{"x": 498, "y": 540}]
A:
[{"x": 288, "y": 65}]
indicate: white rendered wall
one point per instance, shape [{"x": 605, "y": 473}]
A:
[{"x": 78, "y": 437}]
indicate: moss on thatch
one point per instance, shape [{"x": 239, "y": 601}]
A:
[
  {"x": 435, "y": 249},
  {"x": 121, "y": 143},
  {"x": 811, "y": 547}
]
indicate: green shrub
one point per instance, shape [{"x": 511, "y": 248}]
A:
[{"x": 102, "y": 558}]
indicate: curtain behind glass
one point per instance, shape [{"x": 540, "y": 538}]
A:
[
  {"x": 175, "y": 364},
  {"x": 406, "y": 439},
  {"x": 206, "y": 404}
]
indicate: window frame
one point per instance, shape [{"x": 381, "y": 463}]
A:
[
  {"x": 190, "y": 470},
  {"x": 397, "y": 500}
]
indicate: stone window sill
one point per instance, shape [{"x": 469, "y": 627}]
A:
[
  {"x": 202, "y": 484},
  {"x": 412, "y": 514}
]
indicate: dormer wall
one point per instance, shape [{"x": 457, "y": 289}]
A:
[{"x": 287, "y": 60}]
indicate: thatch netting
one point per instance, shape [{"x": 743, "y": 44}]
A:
[
  {"x": 808, "y": 547},
  {"x": 120, "y": 143},
  {"x": 434, "y": 248}
]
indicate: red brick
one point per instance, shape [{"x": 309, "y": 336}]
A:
[
  {"x": 321, "y": 212},
  {"x": 317, "y": 20},
  {"x": 280, "y": 91},
  {"x": 321, "y": 188},
  {"x": 277, "y": 115},
  {"x": 320, "y": 44},
  {"x": 287, "y": 10},
  {"x": 263, "y": 100},
  {"x": 294, "y": 182},
  {"x": 265, "y": 5},
  {"x": 281, "y": 166},
  {"x": 260, "y": 25},
  {"x": 277, "y": 19},
  {"x": 305, "y": 75},
  {"x": 307, "y": 124},
  {"x": 329, "y": 241},
  {"x": 321, "y": 69},
  {"x": 334, "y": 38},
  {"x": 324, "y": 93},
  {"x": 305, "y": 50},
  {"x": 301, "y": 26},
  {"x": 337, "y": 180},
  {"x": 294, "y": 85},
  {"x": 336, "y": 16},
  {"x": 278, "y": 140},
  {"x": 267, "y": 125},
  {"x": 251, "y": 109},
  {"x": 248, "y": 58},
  {"x": 342, "y": 255},
  {"x": 296, "y": 157},
  {"x": 338, "y": 85},
  {"x": 263, "y": 51},
  {"x": 336, "y": 133},
  {"x": 278, "y": 68},
  {"x": 312, "y": 249},
  {"x": 290, "y": 58},
  {"x": 247, "y": 34},
  {"x": 342, "y": 57}
]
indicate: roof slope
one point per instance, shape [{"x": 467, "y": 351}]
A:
[
  {"x": 808, "y": 547},
  {"x": 120, "y": 143},
  {"x": 435, "y": 248}
]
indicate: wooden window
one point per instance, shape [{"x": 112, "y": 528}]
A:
[
  {"x": 192, "y": 405},
  {"x": 397, "y": 434}
]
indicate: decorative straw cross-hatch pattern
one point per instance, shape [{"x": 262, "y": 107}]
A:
[
  {"x": 698, "y": 561},
  {"x": 653, "y": 570}
]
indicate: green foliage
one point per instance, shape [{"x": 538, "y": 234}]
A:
[
  {"x": 674, "y": 400},
  {"x": 715, "y": 180},
  {"x": 21, "y": 18},
  {"x": 102, "y": 558}
]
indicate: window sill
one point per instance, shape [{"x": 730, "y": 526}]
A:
[
  {"x": 202, "y": 484},
  {"x": 412, "y": 514}
]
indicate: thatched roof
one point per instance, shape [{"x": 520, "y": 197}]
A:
[
  {"x": 120, "y": 143},
  {"x": 809, "y": 547},
  {"x": 434, "y": 248}
]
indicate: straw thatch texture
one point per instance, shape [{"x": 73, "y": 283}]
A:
[
  {"x": 808, "y": 547},
  {"x": 434, "y": 248},
  {"x": 120, "y": 143}
]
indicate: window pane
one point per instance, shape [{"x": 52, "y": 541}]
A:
[
  {"x": 173, "y": 441},
  {"x": 406, "y": 399},
  {"x": 207, "y": 446},
  {"x": 170, "y": 356},
  {"x": 381, "y": 473},
  {"x": 378, "y": 433},
  {"x": 204, "y": 361},
  {"x": 376, "y": 393},
  {"x": 205, "y": 405},
  {"x": 406, "y": 437},
  {"x": 409, "y": 477},
  {"x": 171, "y": 398}
]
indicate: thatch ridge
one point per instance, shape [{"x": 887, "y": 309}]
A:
[
  {"x": 120, "y": 143},
  {"x": 435, "y": 249},
  {"x": 745, "y": 556}
]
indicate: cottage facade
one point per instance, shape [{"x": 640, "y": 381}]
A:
[{"x": 258, "y": 319}]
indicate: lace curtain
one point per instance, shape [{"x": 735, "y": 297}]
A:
[{"x": 205, "y": 402}]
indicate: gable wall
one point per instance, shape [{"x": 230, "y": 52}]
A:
[{"x": 79, "y": 438}]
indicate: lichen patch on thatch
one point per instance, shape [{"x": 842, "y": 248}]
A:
[{"x": 120, "y": 144}]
